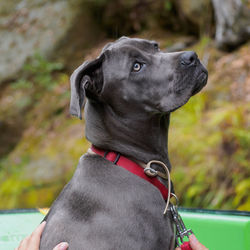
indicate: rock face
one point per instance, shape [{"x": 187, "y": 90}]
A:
[
  {"x": 65, "y": 29},
  {"x": 30, "y": 26},
  {"x": 232, "y": 22}
]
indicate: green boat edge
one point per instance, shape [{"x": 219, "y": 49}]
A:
[{"x": 216, "y": 229}]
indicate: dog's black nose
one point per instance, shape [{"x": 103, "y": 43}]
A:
[{"x": 189, "y": 58}]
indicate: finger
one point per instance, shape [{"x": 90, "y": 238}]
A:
[
  {"x": 38, "y": 231},
  {"x": 36, "y": 236},
  {"x": 24, "y": 243},
  {"x": 195, "y": 244},
  {"x": 177, "y": 248},
  {"x": 61, "y": 246}
]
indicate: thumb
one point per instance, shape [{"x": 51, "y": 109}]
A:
[
  {"x": 61, "y": 246},
  {"x": 195, "y": 244}
]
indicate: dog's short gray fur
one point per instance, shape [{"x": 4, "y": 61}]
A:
[{"x": 104, "y": 206}]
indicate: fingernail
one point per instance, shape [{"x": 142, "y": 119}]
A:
[{"x": 63, "y": 246}]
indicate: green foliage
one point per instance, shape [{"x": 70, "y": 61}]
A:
[
  {"x": 38, "y": 71},
  {"x": 168, "y": 5},
  {"x": 39, "y": 100},
  {"x": 209, "y": 149},
  {"x": 22, "y": 84},
  {"x": 209, "y": 141}
]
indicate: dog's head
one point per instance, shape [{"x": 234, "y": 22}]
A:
[{"x": 133, "y": 75}]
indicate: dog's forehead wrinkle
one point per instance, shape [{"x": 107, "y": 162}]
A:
[
  {"x": 127, "y": 55},
  {"x": 137, "y": 43}
]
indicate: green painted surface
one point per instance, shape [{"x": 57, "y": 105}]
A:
[
  {"x": 15, "y": 226},
  {"x": 216, "y": 231}
]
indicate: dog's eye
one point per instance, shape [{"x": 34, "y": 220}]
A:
[
  {"x": 137, "y": 67},
  {"x": 156, "y": 46}
]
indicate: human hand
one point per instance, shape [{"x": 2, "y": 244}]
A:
[
  {"x": 194, "y": 244},
  {"x": 32, "y": 241}
]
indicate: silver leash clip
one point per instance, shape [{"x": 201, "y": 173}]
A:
[{"x": 181, "y": 230}]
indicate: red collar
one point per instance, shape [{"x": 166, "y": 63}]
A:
[{"x": 132, "y": 167}]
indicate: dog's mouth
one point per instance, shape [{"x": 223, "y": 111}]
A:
[{"x": 201, "y": 82}]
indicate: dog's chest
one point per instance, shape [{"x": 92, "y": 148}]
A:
[
  {"x": 122, "y": 205},
  {"x": 106, "y": 207}
]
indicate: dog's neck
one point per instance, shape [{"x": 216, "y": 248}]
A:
[{"x": 139, "y": 137}]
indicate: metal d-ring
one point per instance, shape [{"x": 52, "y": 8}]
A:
[{"x": 176, "y": 199}]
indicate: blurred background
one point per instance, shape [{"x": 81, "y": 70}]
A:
[{"x": 42, "y": 41}]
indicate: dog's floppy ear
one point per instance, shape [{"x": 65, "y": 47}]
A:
[{"x": 86, "y": 80}]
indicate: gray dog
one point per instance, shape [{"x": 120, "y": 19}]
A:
[{"x": 129, "y": 92}]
